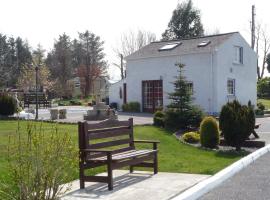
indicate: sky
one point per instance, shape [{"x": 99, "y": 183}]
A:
[{"x": 42, "y": 21}]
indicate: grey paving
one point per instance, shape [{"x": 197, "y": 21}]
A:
[
  {"x": 251, "y": 183},
  {"x": 75, "y": 114},
  {"x": 136, "y": 186}
]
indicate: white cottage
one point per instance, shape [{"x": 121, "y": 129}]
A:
[{"x": 219, "y": 68}]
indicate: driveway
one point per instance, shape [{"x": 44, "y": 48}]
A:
[
  {"x": 251, "y": 183},
  {"x": 75, "y": 114}
]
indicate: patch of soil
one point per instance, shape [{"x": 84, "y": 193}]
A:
[{"x": 221, "y": 148}]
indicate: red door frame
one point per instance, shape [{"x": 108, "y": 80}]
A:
[{"x": 153, "y": 85}]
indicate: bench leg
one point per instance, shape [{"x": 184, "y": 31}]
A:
[
  {"x": 155, "y": 163},
  {"x": 82, "y": 186},
  {"x": 110, "y": 176}
]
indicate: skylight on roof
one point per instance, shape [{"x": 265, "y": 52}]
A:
[
  {"x": 204, "y": 43},
  {"x": 169, "y": 46}
]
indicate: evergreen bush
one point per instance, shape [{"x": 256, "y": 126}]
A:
[
  {"x": 191, "y": 137},
  {"x": 8, "y": 105},
  {"x": 159, "y": 118},
  {"x": 209, "y": 132},
  {"x": 236, "y": 123},
  {"x": 181, "y": 114}
]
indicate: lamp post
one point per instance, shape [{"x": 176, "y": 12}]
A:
[
  {"x": 36, "y": 95},
  {"x": 36, "y": 69}
]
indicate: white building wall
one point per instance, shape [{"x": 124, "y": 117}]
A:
[
  {"x": 197, "y": 70},
  {"x": 244, "y": 74},
  {"x": 209, "y": 73},
  {"x": 114, "y": 93}
]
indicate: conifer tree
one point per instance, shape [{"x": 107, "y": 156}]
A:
[{"x": 181, "y": 97}]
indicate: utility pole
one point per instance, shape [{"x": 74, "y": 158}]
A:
[
  {"x": 122, "y": 67},
  {"x": 253, "y": 27}
]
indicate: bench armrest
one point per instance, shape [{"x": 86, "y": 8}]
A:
[
  {"x": 154, "y": 142},
  {"x": 146, "y": 141}
]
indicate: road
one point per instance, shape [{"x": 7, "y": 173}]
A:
[{"x": 251, "y": 183}]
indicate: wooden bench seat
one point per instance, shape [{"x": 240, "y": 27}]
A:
[
  {"x": 96, "y": 142},
  {"x": 125, "y": 155}
]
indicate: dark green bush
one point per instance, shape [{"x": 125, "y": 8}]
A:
[
  {"x": 75, "y": 102},
  {"x": 131, "y": 107},
  {"x": 191, "y": 137},
  {"x": 8, "y": 105},
  {"x": 260, "y": 106},
  {"x": 176, "y": 120},
  {"x": 159, "y": 118},
  {"x": 209, "y": 132},
  {"x": 236, "y": 123}
]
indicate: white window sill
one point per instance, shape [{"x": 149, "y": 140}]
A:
[{"x": 237, "y": 63}]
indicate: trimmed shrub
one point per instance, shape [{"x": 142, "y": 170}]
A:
[
  {"x": 175, "y": 120},
  {"x": 8, "y": 105},
  {"x": 159, "y": 118},
  {"x": 260, "y": 106},
  {"x": 131, "y": 107},
  {"x": 236, "y": 123},
  {"x": 209, "y": 132},
  {"x": 191, "y": 137}
]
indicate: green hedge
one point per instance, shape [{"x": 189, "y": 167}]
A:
[
  {"x": 8, "y": 105},
  {"x": 132, "y": 106}
]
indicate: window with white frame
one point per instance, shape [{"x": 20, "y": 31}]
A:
[
  {"x": 238, "y": 55},
  {"x": 190, "y": 87},
  {"x": 231, "y": 86}
]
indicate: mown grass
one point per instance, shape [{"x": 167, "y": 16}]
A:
[
  {"x": 265, "y": 102},
  {"x": 174, "y": 156}
]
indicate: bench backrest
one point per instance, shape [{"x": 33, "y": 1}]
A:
[
  {"x": 108, "y": 134},
  {"x": 31, "y": 97}
]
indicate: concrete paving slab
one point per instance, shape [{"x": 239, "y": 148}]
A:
[
  {"x": 135, "y": 186},
  {"x": 75, "y": 114}
]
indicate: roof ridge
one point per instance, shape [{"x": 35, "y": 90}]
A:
[{"x": 192, "y": 38}]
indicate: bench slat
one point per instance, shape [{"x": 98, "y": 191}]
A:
[
  {"x": 109, "y": 144},
  {"x": 108, "y": 133},
  {"x": 97, "y": 155},
  {"x": 126, "y": 155}
]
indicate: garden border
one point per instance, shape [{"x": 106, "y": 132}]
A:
[{"x": 207, "y": 185}]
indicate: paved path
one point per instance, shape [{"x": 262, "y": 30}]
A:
[
  {"x": 264, "y": 130},
  {"x": 251, "y": 183},
  {"x": 136, "y": 186},
  {"x": 75, "y": 114}
]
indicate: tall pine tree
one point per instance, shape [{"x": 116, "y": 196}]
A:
[
  {"x": 185, "y": 23},
  {"x": 181, "y": 97},
  {"x": 181, "y": 114}
]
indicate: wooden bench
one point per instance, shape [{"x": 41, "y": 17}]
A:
[
  {"x": 111, "y": 143},
  {"x": 30, "y": 98}
]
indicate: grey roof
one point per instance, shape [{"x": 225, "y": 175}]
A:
[{"x": 187, "y": 46}]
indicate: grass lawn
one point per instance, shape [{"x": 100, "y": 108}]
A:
[
  {"x": 265, "y": 102},
  {"x": 173, "y": 155}
]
